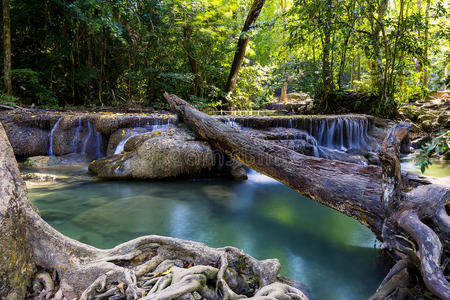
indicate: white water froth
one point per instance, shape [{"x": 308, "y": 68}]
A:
[
  {"x": 52, "y": 132},
  {"x": 256, "y": 177},
  {"x": 76, "y": 136},
  {"x": 87, "y": 138},
  {"x": 160, "y": 125}
]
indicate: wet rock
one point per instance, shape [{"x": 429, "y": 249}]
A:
[
  {"x": 41, "y": 161},
  {"x": 300, "y": 146},
  {"x": 160, "y": 155},
  {"x": 27, "y": 141},
  {"x": 357, "y": 151},
  {"x": 238, "y": 171},
  {"x": 82, "y": 132},
  {"x": 109, "y": 123},
  {"x": 50, "y": 161},
  {"x": 342, "y": 156},
  {"x": 38, "y": 177},
  {"x": 68, "y": 135},
  {"x": 119, "y": 136},
  {"x": 373, "y": 159}
]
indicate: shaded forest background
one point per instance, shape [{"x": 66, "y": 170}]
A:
[{"x": 127, "y": 53}]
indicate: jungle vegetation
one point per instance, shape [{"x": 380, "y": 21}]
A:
[{"x": 61, "y": 53}]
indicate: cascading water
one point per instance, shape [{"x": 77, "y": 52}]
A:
[
  {"x": 341, "y": 133},
  {"x": 330, "y": 137},
  {"x": 232, "y": 123},
  {"x": 158, "y": 125},
  {"x": 98, "y": 148},
  {"x": 121, "y": 146},
  {"x": 52, "y": 132},
  {"x": 87, "y": 138},
  {"x": 76, "y": 136}
]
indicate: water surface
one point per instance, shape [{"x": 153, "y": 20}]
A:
[{"x": 329, "y": 252}]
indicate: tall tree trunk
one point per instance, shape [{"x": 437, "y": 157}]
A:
[
  {"x": 409, "y": 217},
  {"x": 327, "y": 75},
  {"x": 239, "y": 55},
  {"x": 352, "y": 72},
  {"x": 378, "y": 74},
  {"x": 187, "y": 45},
  {"x": 425, "y": 57},
  {"x": 16, "y": 265},
  {"x": 7, "y": 47},
  {"x": 359, "y": 66}
]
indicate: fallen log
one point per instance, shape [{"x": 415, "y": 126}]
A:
[{"x": 408, "y": 216}]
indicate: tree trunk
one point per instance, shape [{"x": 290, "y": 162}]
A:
[
  {"x": 283, "y": 96},
  {"x": 149, "y": 267},
  {"x": 407, "y": 215},
  {"x": 425, "y": 58},
  {"x": 187, "y": 45},
  {"x": 16, "y": 265},
  {"x": 352, "y": 72},
  {"x": 327, "y": 72},
  {"x": 7, "y": 47},
  {"x": 239, "y": 55},
  {"x": 359, "y": 66}
]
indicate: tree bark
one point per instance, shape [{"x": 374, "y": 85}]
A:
[
  {"x": 187, "y": 45},
  {"x": 7, "y": 47},
  {"x": 389, "y": 203},
  {"x": 425, "y": 58},
  {"x": 239, "y": 55}
]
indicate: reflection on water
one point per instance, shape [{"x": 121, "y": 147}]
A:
[
  {"x": 329, "y": 252},
  {"x": 438, "y": 168}
]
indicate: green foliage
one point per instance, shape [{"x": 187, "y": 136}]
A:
[
  {"x": 28, "y": 85},
  {"x": 254, "y": 87},
  {"x": 6, "y": 100},
  {"x": 438, "y": 146},
  {"x": 126, "y": 53}
]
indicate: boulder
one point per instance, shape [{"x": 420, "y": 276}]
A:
[
  {"x": 427, "y": 125},
  {"x": 27, "y": 141},
  {"x": 295, "y": 97},
  {"x": 237, "y": 170},
  {"x": 171, "y": 153},
  {"x": 373, "y": 159},
  {"x": 51, "y": 161},
  {"x": 68, "y": 135}
]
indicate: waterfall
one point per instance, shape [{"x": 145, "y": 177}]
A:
[
  {"x": 341, "y": 133},
  {"x": 77, "y": 135},
  {"x": 87, "y": 138},
  {"x": 121, "y": 146},
  {"x": 158, "y": 125},
  {"x": 232, "y": 123},
  {"x": 50, "y": 148},
  {"x": 98, "y": 149}
]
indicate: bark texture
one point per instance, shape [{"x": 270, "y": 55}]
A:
[
  {"x": 407, "y": 213},
  {"x": 16, "y": 265},
  {"x": 7, "y": 46},
  {"x": 252, "y": 16}
]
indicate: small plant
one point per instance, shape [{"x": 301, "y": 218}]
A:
[
  {"x": 438, "y": 146},
  {"x": 7, "y": 100}
]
